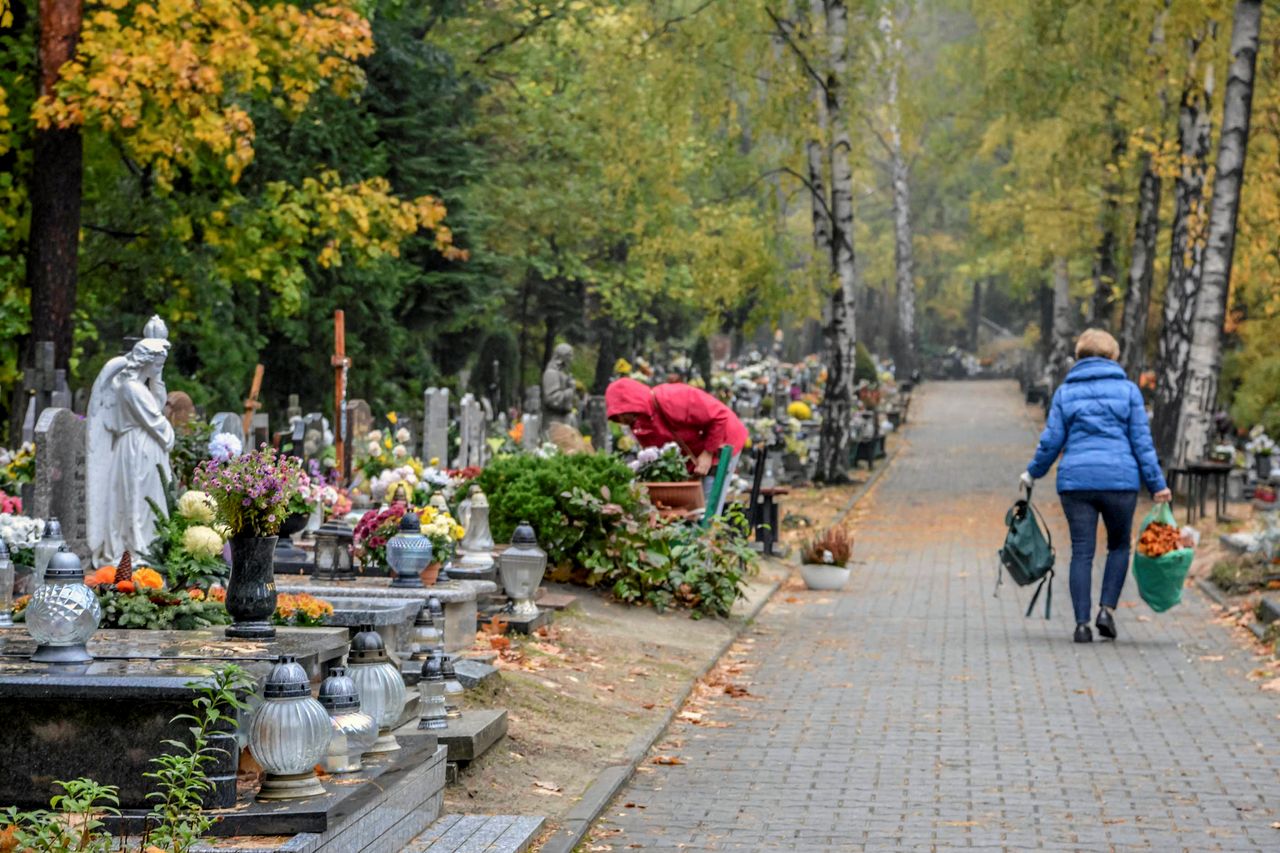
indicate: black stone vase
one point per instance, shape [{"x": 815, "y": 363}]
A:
[{"x": 251, "y": 590}]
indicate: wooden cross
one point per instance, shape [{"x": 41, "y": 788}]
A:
[
  {"x": 340, "y": 364},
  {"x": 251, "y": 405}
]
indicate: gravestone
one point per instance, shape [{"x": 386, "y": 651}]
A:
[
  {"x": 40, "y": 381},
  {"x": 261, "y": 429},
  {"x": 60, "y": 472},
  {"x": 533, "y": 400},
  {"x": 316, "y": 435},
  {"x": 532, "y": 431},
  {"x": 435, "y": 425},
  {"x": 179, "y": 409},
  {"x": 294, "y": 410},
  {"x": 228, "y": 422},
  {"x": 359, "y": 421},
  {"x": 472, "y": 429},
  {"x": 597, "y": 422}
]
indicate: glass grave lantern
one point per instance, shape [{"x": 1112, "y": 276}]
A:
[
  {"x": 289, "y": 734},
  {"x": 382, "y": 690},
  {"x": 409, "y": 551},
  {"x": 63, "y": 613},
  {"x": 428, "y": 629},
  {"x": 522, "y": 567},
  {"x": 44, "y": 550},
  {"x": 6, "y": 587},
  {"x": 333, "y": 551},
  {"x": 354, "y": 731},
  {"x": 453, "y": 688},
  {"x": 434, "y": 712}
]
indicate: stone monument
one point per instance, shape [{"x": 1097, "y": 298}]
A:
[
  {"x": 60, "y": 474},
  {"x": 559, "y": 393},
  {"x": 127, "y": 450}
]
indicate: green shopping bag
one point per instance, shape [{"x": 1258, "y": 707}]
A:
[{"x": 1160, "y": 579}]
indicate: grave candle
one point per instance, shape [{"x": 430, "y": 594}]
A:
[{"x": 6, "y": 587}]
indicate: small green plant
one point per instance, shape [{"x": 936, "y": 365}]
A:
[
  {"x": 1237, "y": 574},
  {"x": 661, "y": 465},
  {"x": 73, "y": 823}
]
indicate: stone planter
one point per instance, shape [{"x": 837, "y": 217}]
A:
[
  {"x": 251, "y": 589},
  {"x": 684, "y": 495},
  {"x": 822, "y": 577}
]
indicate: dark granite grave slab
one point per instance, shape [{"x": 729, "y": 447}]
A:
[
  {"x": 473, "y": 673},
  {"x": 470, "y": 736},
  {"x": 106, "y": 719},
  {"x": 527, "y": 624}
]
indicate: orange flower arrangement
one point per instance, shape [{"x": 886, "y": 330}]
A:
[
  {"x": 301, "y": 609},
  {"x": 147, "y": 578},
  {"x": 104, "y": 575},
  {"x": 143, "y": 578}
]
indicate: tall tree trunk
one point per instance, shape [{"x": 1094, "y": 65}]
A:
[
  {"x": 53, "y": 244},
  {"x": 1141, "y": 275},
  {"x": 1195, "y": 131},
  {"x": 1205, "y": 362},
  {"x": 841, "y": 316},
  {"x": 904, "y": 330},
  {"x": 975, "y": 316},
  {"x": 1106, "y": 271},
  {"x": 1061, "y": 351},
  {"x": 1137, "y": 298}
]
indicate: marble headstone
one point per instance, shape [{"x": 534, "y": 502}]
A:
[
  {"x": 597, "y": 422},
  {"x": 60, "y": 472},
  {"x": 359, "y": 421},
  {"x": 179, "y": 409},
  {"x": 435, "y": 425},
  {"x": 229, "y": 422}
]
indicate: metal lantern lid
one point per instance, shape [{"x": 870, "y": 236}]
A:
[
  {"x": 446, "y": 667},
  {"x": 367, "y": 647},
  {"x": 432, "y": 669},
  {"x": 425, "y": 618},
  {"x": 336, "y": 527},
  {"x": 338, "y": 692},
  {"x": 287, "y": 680},
  {"x": 435, "y": 607},
  {"x": 53, "y": 529},
  {"x": 64, "y": 565},
  {"x": 410, "y": 522},
  {"x": 524, "y": 536}
]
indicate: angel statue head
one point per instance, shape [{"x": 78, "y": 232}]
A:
[{"x": 148, "y": 356}]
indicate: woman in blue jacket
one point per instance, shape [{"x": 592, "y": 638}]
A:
[{"x": 1098, "y": 424}]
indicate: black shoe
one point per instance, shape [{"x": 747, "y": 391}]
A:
[
  {"x": 1083, "y": 634},
  {"x": 1106, "y": 624}
]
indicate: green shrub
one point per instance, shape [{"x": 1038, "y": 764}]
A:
[
  {"x": 864, "y": 367},
  {"x": 537, "y": 489}
]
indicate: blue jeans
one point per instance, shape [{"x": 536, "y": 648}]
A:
[{"x": 1082, "y": 510}]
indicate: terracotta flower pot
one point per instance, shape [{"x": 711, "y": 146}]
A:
[
  {"x": 685, "y": 495},
  {"x": 430, "y": 573}
]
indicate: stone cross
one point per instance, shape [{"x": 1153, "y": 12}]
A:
[
  {"x": 251, "y": 405},
  {"x": 60, "y": 472},
  {"x": 341, "y": 364},
  {"x": 435, "y": 425},
  {"x": 40, "y": 381},
  {"x": 294, "y": 411}
]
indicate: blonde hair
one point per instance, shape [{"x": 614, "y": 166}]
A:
[{"x": 1096, "y": 342}]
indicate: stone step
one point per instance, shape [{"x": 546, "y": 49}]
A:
[
  {"x": 468, "y": 737},
  {"x": 478, "y": 834}
]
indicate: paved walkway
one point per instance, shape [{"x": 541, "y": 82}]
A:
[{"x": 915, "y": 711}]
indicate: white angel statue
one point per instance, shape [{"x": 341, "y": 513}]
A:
[{"x": 128, "y": 446}]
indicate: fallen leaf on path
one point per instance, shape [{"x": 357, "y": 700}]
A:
[
  {"x": 1272, "y": 686},
  {"x": 1211, "y": 658},
  {"x": 1087, "y": 691},
  {"x": 1144, "y": 618},
  {"x": 541, "y": 787},
  {"x": 791, "y": 599},
  {"x": 667, "y": 760},
  {"x": 736, "y": 690},
  {"x": 1127, "y": 604},
  {"x": 691, "y": 716},
  {"x": 648, "y": 706}
]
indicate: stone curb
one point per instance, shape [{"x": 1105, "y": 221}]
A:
[
  {"x": 575, "y": 825},
  {"x": 1210, "y": 590}
]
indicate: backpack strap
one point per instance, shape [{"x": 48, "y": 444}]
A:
[{"x": 1048, "y": 596}]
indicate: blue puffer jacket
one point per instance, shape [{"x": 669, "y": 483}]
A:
[{"x": 1098, "y": 424}]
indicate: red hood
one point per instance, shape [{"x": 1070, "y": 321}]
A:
[{"x": 625, "y": 396}]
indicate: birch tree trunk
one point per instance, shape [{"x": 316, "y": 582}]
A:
[
  {"x": 1106, "y": 271},
  {"x": 841, "y": 316},
  {"x": 1141, "y": 274},
  {"x": 1062, "y": 349},
  {"x": 1205, "y": 361},
  {"x": 1195, "y": 131},
  {"x": 904, "y": 333},
  {"x": 53, "y": 245},
  {"x": 1137, "y": 299}
]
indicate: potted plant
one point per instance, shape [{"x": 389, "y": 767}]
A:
[
  {"x": 439, "y": 526},
  {"x": 1261, "y": 447},
  {"x": 824, "y": 559},
  {"x": 252, "y": 493},
  {"x": 665, "y": 475}
]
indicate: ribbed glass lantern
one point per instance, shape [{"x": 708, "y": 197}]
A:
[
  {"x": 409, "y": 551},
  {"x": 382, "y": 690},
  {"x": 434, "y": 712},
  {"x": 44, "y": 550},
  {"x": 354, "y": 731},
  {"x": 428, "y": 629},
  {"x": 6, "y": 587},
  {"x": 476, "y": 547},
  {"x": 289, "y": 734},
  {"x": 522, "y": 567},
  {"x": 63, "y": 613},
  {"x": 453, "y": 689}
]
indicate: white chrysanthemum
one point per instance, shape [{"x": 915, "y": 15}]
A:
[
  {"x": 402, "y": 435},
  {"x": 374, "y": 436},
  {"x": 399, "y": 451},
  {"x": 201, "y": 541},
  {"x": 196, "y": 506}
]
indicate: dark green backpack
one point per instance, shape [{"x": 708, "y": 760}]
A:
[{"x": 1027, "y": 553}]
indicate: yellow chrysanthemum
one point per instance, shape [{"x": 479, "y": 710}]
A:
[
  {"x": 201, "y": 541},
  {"x": 392, "y": 419},
  {"x": 196, "y": 506},
  {"x": 800, "y": 411}
]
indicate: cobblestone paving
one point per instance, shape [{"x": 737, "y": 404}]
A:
[{"x": 915, "y": 711}]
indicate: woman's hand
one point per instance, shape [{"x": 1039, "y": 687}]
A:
[
  {"x": 1026, "y": 480},
  {"x": 702, "y": 464},
  {"x": 1163, "y": 496}
]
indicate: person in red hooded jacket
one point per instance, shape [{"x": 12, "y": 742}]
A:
[{"x": 678, "y": 413}]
